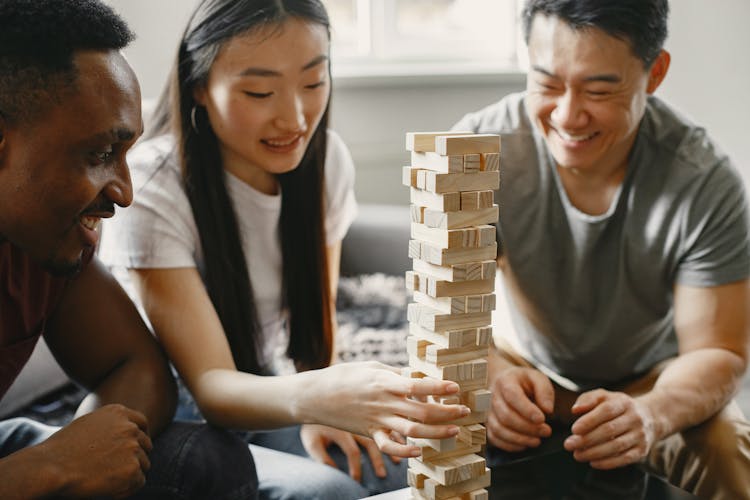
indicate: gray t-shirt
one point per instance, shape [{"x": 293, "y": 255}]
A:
[{"x": 592, "y": 296}]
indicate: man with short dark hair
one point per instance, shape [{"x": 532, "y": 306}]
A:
[
  {"x": 69, "y": 111},
  {"x": 625, "y": 257}
]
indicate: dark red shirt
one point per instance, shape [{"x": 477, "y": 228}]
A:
[{"x": 28, "y": 296}]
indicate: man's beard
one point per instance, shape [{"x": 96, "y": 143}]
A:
[{"x": 63, "y": 269}]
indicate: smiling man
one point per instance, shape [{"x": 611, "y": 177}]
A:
[
  {"x": 625, "y": 257},
  {"x": 69, "y": 111}
]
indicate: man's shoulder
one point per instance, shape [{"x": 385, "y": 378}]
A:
[
  {"x": 670, "y": 135},
  {"x": 505, "y": 117},
  {"x": 28, "y": 293}
]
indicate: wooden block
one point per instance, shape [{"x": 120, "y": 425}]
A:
[
  {"x": 433, "y": 490},
  {"x": 469, "y": 237},
  {"x": 415, "y": 479},
  {"x": 447, "y": 183},
  {"x": 454, "y": 339},
  {"x": 473, "y": 303},
  {"x": 436, "y": 321},
  {"x": 490, "y": 162},
  {"x": 441, "y": 288},
  {"x": 422, "y": 179},
  {"x": 472, "y": 435},
  {"x": 456, "y": 144},
  {"x": 417, "y": 213},
  {"x": 458, "y": 219},
  {"x": 479, "y": 495},
  {"x": 415, "y": 249},
  {"x": 438, "y": 163},
  {"x": 469, "y": 370},
  {"x": 444, "y": 202},
  {"x": 442, "y": 356},
  {"x": 479, "y": 399},
  {"x": 486, "y": 199},
  {"x": 469, "y": 200},
  {"x": 476, "y": 417},
  {"x": 425, "y": 141},
  {"x": 456, "y": 305},
  {"x": 462, "y": 448},
  {"x": 472, "y": 163},
  {"x": 484, "y": 336},
  {"x": 470, "y": 385},
  {"x": 488, "y": 302},
  {"x": 448, "y": 400},
  {"x": 411, "y": 280},
  {"x": 409, "y": 372},
  {"x": 451, "y": 256},
  {"x": 468, "y": 271},
  {"x": 416, "y": 346},
  {"x": 451, "y": 470},
  {"x": 488, "y": 270},
  {"x": 440, "y": 445},
  {"x": 409, "y": 176}
]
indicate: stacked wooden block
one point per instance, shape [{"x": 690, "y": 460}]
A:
[{"x": 452, "y": 177}]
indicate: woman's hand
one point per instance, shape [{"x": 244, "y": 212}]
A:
[
  {"x": 373, "y": 399},
  {"x": 317, "y": 439}
]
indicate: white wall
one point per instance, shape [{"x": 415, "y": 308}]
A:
[{"x": 709, "y": 79}]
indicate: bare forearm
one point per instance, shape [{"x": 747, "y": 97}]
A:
[
  {"x": 693, "y": 388},
  {"x": 234, "y": 399},
  {"x": 145, "y": 385},
  {"x": 26, "y": 474}
]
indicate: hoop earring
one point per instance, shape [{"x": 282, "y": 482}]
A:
[{"x": 192, "y": 119}]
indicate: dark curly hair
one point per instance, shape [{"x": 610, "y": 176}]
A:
[{"x": 38, "y": 40}]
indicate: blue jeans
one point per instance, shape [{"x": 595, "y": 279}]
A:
[
  {"x": 286, "y": 471},
  {"x": 188, "y": 461}
]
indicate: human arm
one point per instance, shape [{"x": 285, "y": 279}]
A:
[
  {"x": 317, "y": 438},
  {"x": 99, "y": 339},
  {"x": 363, "y": 398},
  {"x": 711, "y": 324}
]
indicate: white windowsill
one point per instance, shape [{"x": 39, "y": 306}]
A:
[{"x": 423, "y": 74}]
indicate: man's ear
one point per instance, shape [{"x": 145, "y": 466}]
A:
[{"x": 658, "y": 71}]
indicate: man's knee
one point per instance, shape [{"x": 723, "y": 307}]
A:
[
  {"x": 721, "y": 436},
  {"x": 192, "y": 461},
  {"x": 710, "y": 459}
]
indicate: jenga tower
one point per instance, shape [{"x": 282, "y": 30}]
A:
[{"x": 452, "y": 178}]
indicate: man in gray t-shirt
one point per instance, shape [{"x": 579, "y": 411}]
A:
[{"x": 625, "y": 256}]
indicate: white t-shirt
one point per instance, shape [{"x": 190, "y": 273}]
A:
[{"x": 159, "y": 231}]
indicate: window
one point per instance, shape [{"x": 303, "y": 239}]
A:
[{"x": 423, "y": 36}]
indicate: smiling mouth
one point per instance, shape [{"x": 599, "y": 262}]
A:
[
  {"x": 575, "y": 137},
  {"x": 282, "y": 143},
  {"x": 90, "y": 223}
]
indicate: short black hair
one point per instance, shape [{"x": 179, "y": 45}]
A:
[
  {"x": 38, "y": 41},
  {"x": 641, "y": 23}
]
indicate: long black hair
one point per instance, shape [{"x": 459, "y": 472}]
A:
[{"x": 305, "y": 281}]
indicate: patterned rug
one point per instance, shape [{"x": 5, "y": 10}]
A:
[{"x": 372, "y": 319}]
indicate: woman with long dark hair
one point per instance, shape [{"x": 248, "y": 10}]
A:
[{"x": 242, "y": 198}]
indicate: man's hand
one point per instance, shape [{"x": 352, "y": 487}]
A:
[
  {"x": 317, "y": 438},
  {"x": 613, "y": 430},
  {"x": 102, "y": 453},
  {"x": 520, "y": 399}
]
